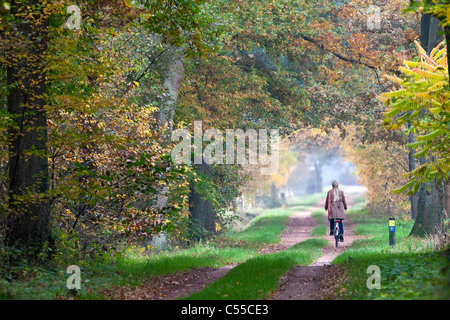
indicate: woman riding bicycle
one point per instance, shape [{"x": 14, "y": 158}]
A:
[{"x": 336, "y": 207}]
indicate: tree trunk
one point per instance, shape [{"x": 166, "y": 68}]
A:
[
  {"x": 447, "y": 38},
  {"x": 172, "y": 73},
  {"x": 173, "y": 76},
  {"x": 201, "y": 211},
  {"x": 429, "y": 37},
  {"x": 431, "y": 206},
  {"x": 430, "y": 202},
  {"x": 274, "y": 199},
  {"x": 318, "y": 172},
  {"x": 424, "y": 30},
  {"x": 433, "y": 37},
  {"x": 411, "y": 167},
  {"x": 413, "y": 202},
  {"x": 28, "y": 218},
  {"x": 447, "y": 200}
]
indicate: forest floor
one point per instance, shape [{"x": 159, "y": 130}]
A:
[
  {"x": 282, "y": 253},
  {"x": 301, "y": 282}
]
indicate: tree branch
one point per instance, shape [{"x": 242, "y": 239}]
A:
[
  {"x": 129, "y": 86},
  {"x": 343, "y": 58}
]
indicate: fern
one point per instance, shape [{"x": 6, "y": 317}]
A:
[
  {"x": 437, "y": 51},
  {"x": 429, "y": 75},
  {"x": 437, "y": 85},
  {"x": 430, "y": 136},
  {"x": 406, "y": 71},
  {"x": 394, "y": 94},
  {"x": 414, "y": 189},
  {"x": 436, "y": 110},
  {"x": 392, "y": 112},
  {"x": 403, "y": 188},
  {"x": 421, "y": 153},
  {"x": 394, "y": 79},
  {"x": 414, "y": 145}
]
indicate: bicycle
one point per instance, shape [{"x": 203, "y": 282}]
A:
[{"x": 337, "y": 234}]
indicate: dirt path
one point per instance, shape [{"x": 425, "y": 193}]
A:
[
  {"x": 181, "y": 284},
  {"x": 174, "y": 286},
  {"x": 314, "y": 282},
  {"x": 301, "y": 282},
  {"x": 298, "y": 229}
]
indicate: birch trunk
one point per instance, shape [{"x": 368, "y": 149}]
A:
[{"x": 173, "y": 76}]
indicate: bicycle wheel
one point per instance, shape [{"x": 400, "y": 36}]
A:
[{"x": 337, "y": 240}]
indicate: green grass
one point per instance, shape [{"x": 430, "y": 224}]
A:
[
  {"x": 259, "y": 276},
  {"x": 265, "y": 228},
  {"x": 254, "y": 278},
  {"x": 305, "y": 200},
  {"x": 319, "y": 230},
  {"x": 318, "y": 215},
  {"x": 202, "y": 255},
  {"x": 297, "y": 207},
  {"x": 130, "y": 270},
  {"x": 409, "y": 270},
  {"x": 132, "y": 267}
]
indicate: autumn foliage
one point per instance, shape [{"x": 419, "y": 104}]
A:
[{"x": 105, "y": 176}]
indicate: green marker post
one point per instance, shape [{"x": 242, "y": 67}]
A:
[{"x": 391, "y": 231}]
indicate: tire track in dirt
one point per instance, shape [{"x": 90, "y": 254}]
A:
[
  {"x": 298, "y": 229},
  {"x": 170, "y": 287},
  {"x": 314, "y": 282},
  {"x": 311, "y": 282},
  {"x": 181, "y": 284}
]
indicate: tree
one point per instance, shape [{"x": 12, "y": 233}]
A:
[
  {"x": 379, "y": 166},
  {"x": 429, "y": 39},
  {"x": 202, "y": 212},
  {"x": 433, "y": 11},
  {"x": 27, "y": 223},
  {"x": 422, "y": 101},
  {"x": 86, "y": 156},
  {"x": 433, "y": 27}
]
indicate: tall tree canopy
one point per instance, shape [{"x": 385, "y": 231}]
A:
[{"x": 92, "y": 92}]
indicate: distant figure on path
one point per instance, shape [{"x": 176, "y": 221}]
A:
[{"x": 336, "y": 207}]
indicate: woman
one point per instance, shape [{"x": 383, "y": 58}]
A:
[{"x": 336, "y": 207}]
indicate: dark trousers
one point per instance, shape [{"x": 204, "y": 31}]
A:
[{"x": 341, "y": 226}]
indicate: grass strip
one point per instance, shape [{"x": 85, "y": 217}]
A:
[
  {"x": 256, "y": 278},
  {"x": 412, "y": 269},
  {"x": 132, "y": 266},
  {"x": 318, "y": 215},
  {"x": 319, "y": 230},
  {"x": 305, "y": 200},
  {"x": 264, "y": 229}
]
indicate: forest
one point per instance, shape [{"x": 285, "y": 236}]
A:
[{"x": 153, "y": 146}]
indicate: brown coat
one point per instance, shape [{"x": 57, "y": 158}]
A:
[{"x": 337, "y": 208}]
